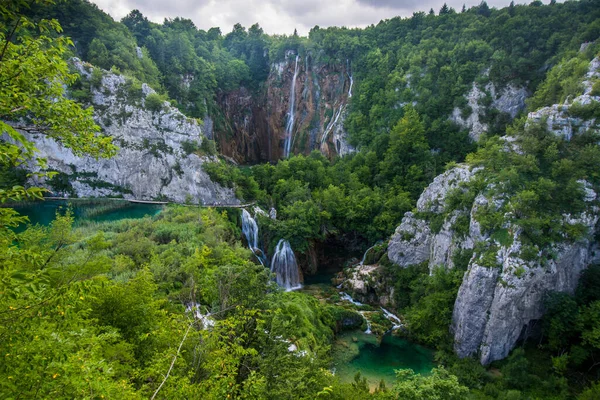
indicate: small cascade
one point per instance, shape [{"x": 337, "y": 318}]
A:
[
  {"x": 348, "y": 298},
  {"x": 273, "y": 213},
  {"x": 345, "y": 296},
  {"x": 206, "y": 319},
  {"x": 394, "y": 319},
  {"x": 362, "y": 262},
  {"x": 289, "y": 127},
  {"x": 368, "y": 330},
  {"x": 258, "y": 210},
  {"x": 285, "y": 267},
  {"x": 250, "y": 230}
]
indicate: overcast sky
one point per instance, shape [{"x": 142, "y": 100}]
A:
[{"x": 282, "y": 16}]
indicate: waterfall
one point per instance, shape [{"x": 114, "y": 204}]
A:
[
  {"x": 332, "y": 122},
  {"x": 396, "y": 322},
  {"x": 289, "y": 127},
  {"x": 362, "y": 262},
  {"x": 351, "y": 79},
  {"x": 285, "y": 267},
  {"x": 250, "y": 230},
  {"x": 347, "y": 297},
  {"x": 368, "y": 330}
]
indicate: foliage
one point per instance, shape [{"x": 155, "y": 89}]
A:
[
  {"x": 245, "y": 186},
  {"x": 32, "y": 73},
  {"x": 439, "y": 385},
  {"x": 154, "y": 102}
]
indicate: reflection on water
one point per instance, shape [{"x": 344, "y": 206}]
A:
[
  {"x": 99, "y": 210},
  {"x": 358, "y": 352}
]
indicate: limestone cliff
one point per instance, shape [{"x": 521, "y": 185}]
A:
[
  {"x": 502, "y": 292},
  {"x": 510, "y": 100},
  {"x": 255, "y": 122},
  {"x": 152, "y": 161}
]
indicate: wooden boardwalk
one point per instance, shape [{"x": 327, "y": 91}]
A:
[{"x": 154, "y": 202}]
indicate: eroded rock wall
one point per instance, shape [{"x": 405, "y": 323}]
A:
[
  {"x": 254, "y": 123},
  {"x": 151, "y": 162}
]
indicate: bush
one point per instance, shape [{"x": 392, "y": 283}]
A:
[
  {"x": 154, "y": 102},
  {"x": 208, "y": 147},
  {"x": 189, "y": 147}
]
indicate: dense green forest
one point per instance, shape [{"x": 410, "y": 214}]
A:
[{"x": 174, "y": 306}]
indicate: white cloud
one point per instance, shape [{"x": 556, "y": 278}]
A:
[{"x": 281, "y": 16}]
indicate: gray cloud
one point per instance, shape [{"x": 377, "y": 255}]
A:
[{"x": 281, "y": 16}]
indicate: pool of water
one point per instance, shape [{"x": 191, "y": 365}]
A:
[
  {"x": 44, "y": 212},
  {"x": 358, "y": 352}
]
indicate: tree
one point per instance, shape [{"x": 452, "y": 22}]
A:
[
  {"x": 484, "y": 9},
  {"x": 138, "y": 24},
  {"x": 439, "y": 385},
  {"x": 408, "y": 157},
  {"x": 32, "y": 75},
  {"x": 444, "y": 10}
]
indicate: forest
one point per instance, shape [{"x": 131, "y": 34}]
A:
[{"x": 176, "y": 306}]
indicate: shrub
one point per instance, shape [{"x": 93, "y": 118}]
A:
[{"x": 154, "y": 102}]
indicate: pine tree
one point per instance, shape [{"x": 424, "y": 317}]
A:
[{"x": 444, "y": 9}]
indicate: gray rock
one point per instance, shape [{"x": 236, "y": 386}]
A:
[
  {"x": 411, "y": 243},
  {"x": 495, "y": 305},
  {"x": 150, "y": 163},
  {"x": 469, "y": 318},
  {"x": 557, "y": 117},
  {"x": 511, "y": 100},
  {"x": 433, "y": 197}
]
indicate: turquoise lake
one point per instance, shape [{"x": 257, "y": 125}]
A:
[{"x": 44, "y": 212}]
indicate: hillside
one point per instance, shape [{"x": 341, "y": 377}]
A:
[{"x": 432, "y": 180}]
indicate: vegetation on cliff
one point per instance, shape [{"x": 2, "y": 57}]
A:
[{"x": 174, "y": 307}]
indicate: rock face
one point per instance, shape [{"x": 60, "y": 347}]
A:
[
  {"x": 256, "y": 122},
  {"x": 559, "y": 117},
  {"x": 509, "y": 100},
  {"x": 368, "y": 284},
  {"x": 502, "y": 292},
  {"x": 414, "y": 242},
  {"x": 151, "y": 162},
  {"x": 494, "y": 304}
]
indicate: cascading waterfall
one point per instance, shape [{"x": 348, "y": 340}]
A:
[
  {"x": 250, "y": 230},
  {"x": 351, "y": 79},
  {"x": 289, "y": 127},
  {"x": 345, "y": 296},
  {"x": 362, "y": 262},
  {"x": 285, "y": 267},
  {"x": 332, "y": 122},
  {"x": 394, "y": 319}
]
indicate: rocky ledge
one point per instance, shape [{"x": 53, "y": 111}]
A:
[{"x": 156, "y": 157}]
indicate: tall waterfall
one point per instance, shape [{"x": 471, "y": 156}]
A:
[
  {"x": 250, "y": 230},
  {"x": 351, "y": 79},
  {"x": 289, "y": 127},
  {"x": 285, "y": 267}
]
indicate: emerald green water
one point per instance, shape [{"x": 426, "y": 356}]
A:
[
  {"x": 44, "y": 212},
  {"x": 358, "y": 352}
]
